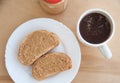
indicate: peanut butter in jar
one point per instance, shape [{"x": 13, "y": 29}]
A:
[{"x": 53, "y": 6}]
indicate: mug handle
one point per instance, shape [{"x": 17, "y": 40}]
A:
[{"x": 105, "y": 51}]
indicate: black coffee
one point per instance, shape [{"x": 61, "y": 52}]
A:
[{"x": 95, "y": 28}]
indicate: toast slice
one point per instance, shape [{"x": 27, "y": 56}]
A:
[
  {"x": 35, "y": 45},
  {"x": 50, "y": 64}
]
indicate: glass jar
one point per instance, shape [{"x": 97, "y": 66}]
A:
[{"x": 54, "y": 6}]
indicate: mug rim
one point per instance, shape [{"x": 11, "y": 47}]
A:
[{"x": 107, "y": 15}]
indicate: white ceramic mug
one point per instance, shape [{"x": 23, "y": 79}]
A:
[{"x": 101, "y": 46}]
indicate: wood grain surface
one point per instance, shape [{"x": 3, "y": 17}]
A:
[{"x": 94, "y": 67}]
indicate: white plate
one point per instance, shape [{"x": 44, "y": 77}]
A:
[{"x": 22, "y": 74}]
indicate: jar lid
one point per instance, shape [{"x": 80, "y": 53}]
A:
[{"x": 53, "y": 1}]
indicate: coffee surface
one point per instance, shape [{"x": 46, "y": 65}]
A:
[{"x": 95, "y": 28}]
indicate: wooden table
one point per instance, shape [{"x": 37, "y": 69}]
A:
[{"x": 94, "y": 67}]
